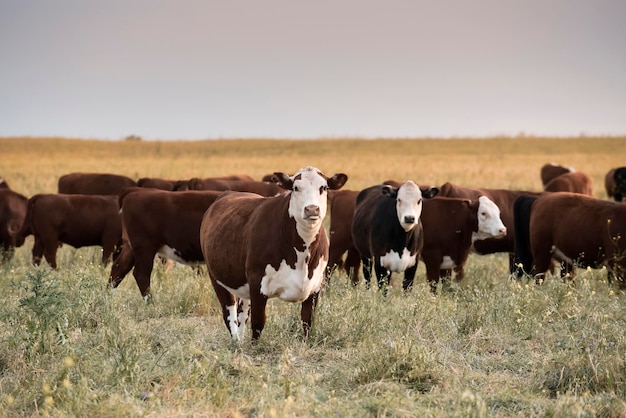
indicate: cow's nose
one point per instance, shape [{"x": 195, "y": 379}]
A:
[
  {"x": 312, "y": 211},
  {"x": 503, "y": 231},
  {"x": 409, "y": 219}
]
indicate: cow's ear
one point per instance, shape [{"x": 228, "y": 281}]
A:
[
  {"x": 283, "y": 180},
  {"x": 472, "y": 204},
  {"x": 337, "y": 181},
  {"x": 389, "y": 191},
  {"x": 429, "y": 192}
]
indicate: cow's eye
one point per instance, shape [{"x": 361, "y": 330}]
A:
[
  {"x": 323, "y": 189},
  {"x": 296, "y": 189}
]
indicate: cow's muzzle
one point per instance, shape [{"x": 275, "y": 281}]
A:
[{"x": 312, "y": 212}]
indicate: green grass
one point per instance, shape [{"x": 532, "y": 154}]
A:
[{"x": 489, "y": 346}]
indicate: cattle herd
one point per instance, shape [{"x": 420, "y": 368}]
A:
[{"x": 265, "y": 239}]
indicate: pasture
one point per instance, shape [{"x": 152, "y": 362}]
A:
[{"x": 488, "y": 346}]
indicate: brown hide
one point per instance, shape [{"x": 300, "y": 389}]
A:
[
  {"x": 574, "y": 182},
  {"x": 77, "y": 220},
  {"x": 152, "y": 219},
  {"x": 162, "y": 184},
  {"x": 12, "y": 214},
  {"x": 258, "y": 187},
  {"x": 551, "y": 171},
  {"x": 93, "y": 183}
]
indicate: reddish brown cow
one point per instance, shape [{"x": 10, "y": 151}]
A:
[
  {"x": 259, "y": 187},
  {"x": 12, "y": 214},
  {"x": 574, "y": 229},
  {"x": 342, "y": 206},
  {"x": 94, "y": 183},
  {"x": 574, "y": 182},
  {"x": 162, "y": 184},
  {"x": 505, "y": 200},
  {"x": 258, "y": 248},
  {"x": 552, "y": 170},
  {"x": 77, "y": 220},
  {"x": 158, "y": 222}
]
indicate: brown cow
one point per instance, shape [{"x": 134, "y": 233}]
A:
[
  {"x": 552, "y": 170},
  {"x": 574, "y": 182},
  {"x": 94, "y": 183},
  {"x": 12, "y": 214},
  {"x": 171, "y": 229},
  {"x": 162, "y": 184},
  {"x": 615, "y": 183},
  {"x": 258, "y": 248},
  {"x": 577, "y": 230},
  {"x": 77, "y": 220},
  {"x": 259, "y": 187}
]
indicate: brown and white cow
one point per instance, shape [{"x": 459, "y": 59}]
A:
[
  {"x": 574, "y": 229},
  {"x": 94, "y": 183},
  {"x": 77, "y": 220},
  {"x": 552, "y": 170},
  {"x": 575, "y": 182},
  {"x": 258, "y": 248},
  {"x": 387, "y": 231},
  {"x": 158, "y": 222},
  {"x": 259, "y": 187},
  {"x": 12, "y": 214}
]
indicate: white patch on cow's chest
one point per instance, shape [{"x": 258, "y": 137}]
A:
[
  {"x": 293, "y": 284},
  {"x": 397, "y": 263},
  {"x": 242, "y": 292},
  {"x": 173, "y": 254},
  {"x": 447, "y": 263}
]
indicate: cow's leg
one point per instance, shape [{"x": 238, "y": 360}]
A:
[
  {"x": 306, "y": 313},
  {"x": 121, "y": 265},
  {"x": 50, "y": 247},
  {"x": 352, "y": 264},
  {"x": 109, "y": 244},
  {"x": 257, "y": 312},
  {"x": 243, "y": 311},
  {"x": 432, "y": 272},
  {"x": 367, "y": 270},
  {"x": 144, "y": 261},
  {"x": 409, "y": 277},
  {"x": 228, "y": 301},
  {"x": 37, "y": 251},
  {"x": 383, "y": 277}
]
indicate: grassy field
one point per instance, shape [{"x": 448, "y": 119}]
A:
[{"x": 488, "y": 346}]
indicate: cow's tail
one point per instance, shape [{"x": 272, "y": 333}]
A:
[{"x": 523, "y": 262}]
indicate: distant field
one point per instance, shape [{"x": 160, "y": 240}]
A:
[{"x": 487, "y": 346}]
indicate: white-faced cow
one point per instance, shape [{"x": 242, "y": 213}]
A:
[
  {"x": 158, "y": 222},
  {"x": 12, "y": 214},
  {"x": 575, "y": 182},
  {"x": 552, "y": 170},
  {"x": 94, "y": 183},
  {"x": 615, "y": 183},
  {"x": 258, "y": 248},
  {"x": 574, "y": 229},
  {"x": 387, "y": 228},
  {"x": 77, "y": 220}
]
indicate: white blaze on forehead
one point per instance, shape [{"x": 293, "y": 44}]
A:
[
  {"x": 293, "y": 284},
  {"x": 409, "y": 204},
  {"x": 309, "y": 189},
  {"x": 489, "y": 223},
  {"x": 396, "y": 262}
]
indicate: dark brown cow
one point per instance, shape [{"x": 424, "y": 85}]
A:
[
  {"x": 574, "y": 182},
  {"x": 259, "y": 187},
  {"x": 258, "y": 248},
  {"x": 342, "y": 206},
  {"x": 552, "y": 170},
  {"x": 12, "y": 214},
  {"x": 571, "y": 228},
  {"x": 615, "y": 183},
  {"x": 158, "y": 222},
  {"x": 162, "y": 184},
  {"x": 94, "y": 183},
  {"x": 504, "y": 199},
  {"x": 77, "y": 220}
]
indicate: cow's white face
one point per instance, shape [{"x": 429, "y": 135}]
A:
[
  {"x": 409, "y": 205},
  {"x": 489, "y": 223},
  {"x": 309, "y": 194}
]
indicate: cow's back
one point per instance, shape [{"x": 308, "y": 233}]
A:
[
  {"x": 574, "y": 182},
  {"x": 93, "y": 183}
]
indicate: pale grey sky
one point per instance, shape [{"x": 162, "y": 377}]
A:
[{"x": 196, "y": 69}]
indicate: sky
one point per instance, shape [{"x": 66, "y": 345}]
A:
[{"x": 204, "y": 69}]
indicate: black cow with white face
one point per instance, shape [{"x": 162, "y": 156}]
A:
[{"x": 386, "y": 228}]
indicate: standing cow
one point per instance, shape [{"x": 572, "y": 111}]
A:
[
  {"x": 387, "y": 228},
  {"x": 575, "y": 182},
  {"x": 94, "y": 183},
  {"x": 551, "y": 171},
  {"x": 574, "y": 229},
  {"x": 77, "y": 220},
  {"x": 258, "y": 248},
  {"x": 12, "y": 214},
  {"x": 615, "y": 183}
]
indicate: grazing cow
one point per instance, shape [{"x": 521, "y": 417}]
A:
[
  {"x": 386, "y": 227},
  {"x": 12, "y": 214},
  {"x": 574, "y": 182},
  {"x": 505, "y": 200},
  {"x": 162, "y": 184},
  {"x": 577, "y": 230},
  {"x": 552, "y": 170},
  {"x": 615, "y": 183},
  {"x": 77, "y": 220},
  {"x": 259, "y": 187},
  {"x": 93, "y": 183},
  {"x": 258, "y": 248},
  {"x": 170, "y": 228}
]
